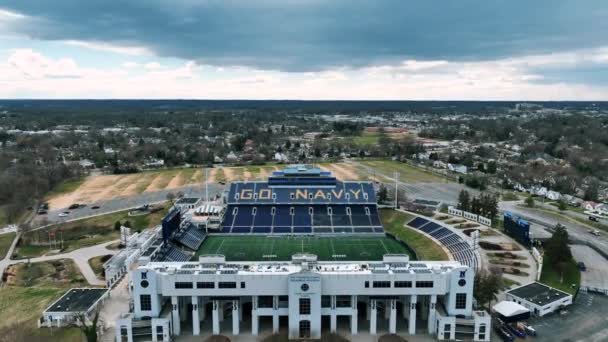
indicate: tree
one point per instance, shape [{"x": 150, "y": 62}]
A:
[
  {"x": 117, "y": 225},
  {"x": 591, "y": 193},
  {"x": 556, "y": 248},
  {"x": 561, "y": 205},
  {"x": 382, "y": 194},
  {"x": 90, "y": 330},
  {"x": 486, "y": 286},
  {"x": 464, "y": 200},
  {"x": 530, "y": 202},
  {"x": 170, "y": 197},
  {"x": 127, "y": 224}
]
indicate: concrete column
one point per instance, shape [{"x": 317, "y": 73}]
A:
[
  {"x": 254, "y": 316},
  {"x": 412, "y": 320},
  {"x": 235, "y": 317},
  {"x": 215, "y": 317},
  {"x": 353, "y": 316},
  {"x": 275, "y": 322},
  {"x": 392, "y": 322},
  {"x": 196, "y": 322},
  {"x": 175, "y": 314},
  {"x": 332, "y": 316},
  {"x": 275, "y": 314},
  {"x": 373, "y": 317},
  {"x": 432, "y": 314}
]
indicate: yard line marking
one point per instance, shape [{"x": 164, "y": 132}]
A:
[
  {"x": 385, "y": 249},
  {"x": 220, "y": 247}
]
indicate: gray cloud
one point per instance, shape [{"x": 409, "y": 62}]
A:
[{"x": 314, "y": 35}]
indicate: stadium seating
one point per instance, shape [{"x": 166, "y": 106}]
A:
[
  {"x": 241, "y": 230},
  {"x": 190, "y": 236},
  {"x": 261, "y": 230},
  {"x": 171, "y": 253},
  {"x": 418, "y": 222},
  {"x": 281, "y": 230},
  {"x": 283, "y": 205},
  {"x": 460, "y": 249}
]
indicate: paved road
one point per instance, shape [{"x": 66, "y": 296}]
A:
[
  {"x": 80, "y": 257},
  {"x": 125, "y": 203},
  {"x": 446, "y": 192},
  {"x": 577, "y": 230},
  {"x": 596, "y": 275}
]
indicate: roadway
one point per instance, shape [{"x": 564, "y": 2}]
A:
[
  {"x": 445, "y": 192},
  {"x": 578, "y": 231},
  {"x": 126, "y": 203}
]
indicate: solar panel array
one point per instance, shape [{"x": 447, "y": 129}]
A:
[{"x": 460, "y": 249}]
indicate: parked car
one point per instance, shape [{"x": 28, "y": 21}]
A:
[
  {"x": 530, "y": 331},
  {"x": 64, "y": 214},
  {"x": 581, "y": 266},
  {"x": 74, "y": 206},
  {"x": 95, "y": 207},
  {"x": 594, "y": 232}
]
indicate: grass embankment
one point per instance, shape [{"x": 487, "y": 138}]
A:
[
  {"x": 66, "y": 187},
  {"x": 30, "y": 290},
  {"x": 407, "y": 173},
  {"x": 5, "y": 243},
  {"x": 425, "y": 248},
  {"x": 564, "y": 280},
  {"x": 96, "y": 264},
  {"x": 83, "y": 233}
]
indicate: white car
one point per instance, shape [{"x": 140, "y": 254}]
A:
[{"x": 64, "y": 214}]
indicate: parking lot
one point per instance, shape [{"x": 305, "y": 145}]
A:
[
  {"x": 585, "y": 320},
  {"x": 596, "y": 273}
]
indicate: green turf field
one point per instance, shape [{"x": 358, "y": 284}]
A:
[{"x": 281, "y": 248}]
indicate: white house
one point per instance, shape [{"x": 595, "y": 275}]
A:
[{"x": 553, "y": 195}]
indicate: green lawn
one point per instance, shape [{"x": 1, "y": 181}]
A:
[
  {"x": 21, "y": 307},
  {"x": 407, "y": 173},
  {"x": 96, "y": 264},
  {"x": 84, "y": 233},
  {"x": 425, "y": 248},
  {"x": 552, "y": 277},
  {"x": 3, "y": 218},
  {"x": 5, "y": 243},
  {"x": 281, "y": 248}
]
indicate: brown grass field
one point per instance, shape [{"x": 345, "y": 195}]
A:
[{"x": 104, "y": 187}]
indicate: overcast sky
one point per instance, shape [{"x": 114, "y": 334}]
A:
[{"x": 305, "y": 49}]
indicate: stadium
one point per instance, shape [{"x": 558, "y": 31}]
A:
[{"x": 303, "y": 252}]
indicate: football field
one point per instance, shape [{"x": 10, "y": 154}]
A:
[{"x": 281, "y": 248}]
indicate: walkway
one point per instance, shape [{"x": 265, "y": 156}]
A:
[{"x": 80, "y": 257}]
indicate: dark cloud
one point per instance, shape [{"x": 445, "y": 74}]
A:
[{"x": 301, "y": 35}]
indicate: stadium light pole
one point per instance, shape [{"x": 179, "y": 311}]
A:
[
  {"x": 206, "y": 186},
  {"x": 396, "y": 175}
]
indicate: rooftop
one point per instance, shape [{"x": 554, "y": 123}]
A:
[
  {"x": 77, "y": 300},
  {"x": 188, "y": 200},
  {"x": 539, "y": 294},
  {"x": 216, "y": 264}
]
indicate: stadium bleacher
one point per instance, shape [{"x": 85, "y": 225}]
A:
[
  {"x": 301, "y": 200},
  {"x": 170, "y": 253},
  {"x": 190, "y": 236},
  {"x": 460, "y": 250}
]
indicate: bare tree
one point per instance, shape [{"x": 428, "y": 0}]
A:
[{"x": 90, "y": 329}]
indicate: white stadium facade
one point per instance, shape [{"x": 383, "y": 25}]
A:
[{"x": 304, "y": 297}]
